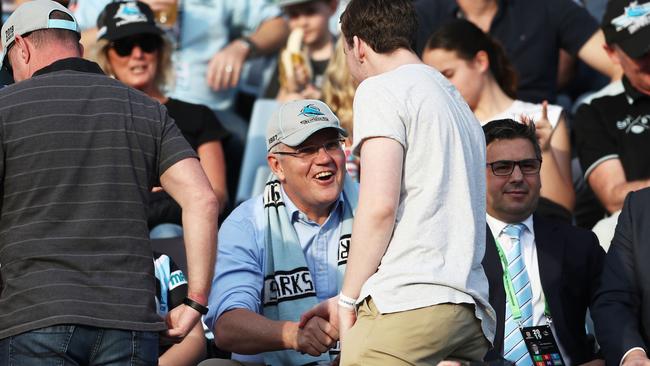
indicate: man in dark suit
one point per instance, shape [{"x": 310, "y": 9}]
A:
[
  {"x": 621, "y": 309},
  {"x": 562, "y": 263}
]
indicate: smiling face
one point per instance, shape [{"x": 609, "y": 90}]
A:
[
  {"x": 312, "y": 183},
  {"x": 511, "y": 198},
  {"x": 138, "y": 68},
  {"x": 466, "y": 75}
]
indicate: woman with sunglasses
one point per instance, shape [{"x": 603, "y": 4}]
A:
[
  {"x": 481, "y": 72},
  {"x": 132, "y": 48}
]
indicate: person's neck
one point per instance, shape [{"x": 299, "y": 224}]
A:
[
  {"x": 479, "y": 12},
  {"x": 323, "y": 49},
  {"x": 380, "y": 63},
  {"x": 492, "y": 101}
]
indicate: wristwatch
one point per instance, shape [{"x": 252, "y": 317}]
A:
[
  {"x": 252, "y": 47},
  {"x": 195, "y": 305}
]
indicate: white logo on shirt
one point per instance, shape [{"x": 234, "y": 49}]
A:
[{"x": 636, "y": 125}]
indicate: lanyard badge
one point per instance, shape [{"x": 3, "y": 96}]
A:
[
  {"x": 542, "y": 347},
  {"x": 540, "y": 342}
]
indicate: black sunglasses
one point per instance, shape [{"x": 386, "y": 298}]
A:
[{"x": 147, "y": 43}]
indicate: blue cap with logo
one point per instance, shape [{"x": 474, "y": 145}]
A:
[{"x": 295, "y": 121}]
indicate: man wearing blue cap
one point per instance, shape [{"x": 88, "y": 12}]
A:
[{"x": 79, "y": 155}]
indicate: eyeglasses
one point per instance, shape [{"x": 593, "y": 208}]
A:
[
  {"x": 312, "y": 150},
  {"x": 148, "y": 43},
  {"x": 506, "y": 167}
]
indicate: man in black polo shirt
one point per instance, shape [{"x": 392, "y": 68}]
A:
[
  {"x": 79, "y": 153},
  {"x": 532, "y": 33},
  {"x": 613, "y": 132}
]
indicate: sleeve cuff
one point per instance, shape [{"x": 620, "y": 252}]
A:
[
  {"x": 595, "y": 164},
  {"x": 628, "y": 352}
]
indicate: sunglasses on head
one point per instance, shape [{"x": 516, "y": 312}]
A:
[{"x": 147, "y": 43}]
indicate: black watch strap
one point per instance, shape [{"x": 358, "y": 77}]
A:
[
  {"x": 195, "y": 305},
  {"x": 253, "y": 51}
]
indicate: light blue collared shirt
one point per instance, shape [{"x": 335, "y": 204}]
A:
[{"x": 240, "y": 267}]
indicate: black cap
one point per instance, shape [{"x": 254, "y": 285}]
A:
[
  {"x": 126, "y": 18},
  {"x": 627, "y": 24}
]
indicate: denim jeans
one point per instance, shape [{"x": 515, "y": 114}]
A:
[{"x": 64, "y": 345}]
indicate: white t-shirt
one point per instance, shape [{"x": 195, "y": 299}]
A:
[
  {"x": 533, "y": 111},
  {"x": 438, "y": 242}
]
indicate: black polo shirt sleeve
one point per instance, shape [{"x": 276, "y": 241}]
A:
[
  {"x": 594, "y": 143},
  {"x": 573, "y": 22}
]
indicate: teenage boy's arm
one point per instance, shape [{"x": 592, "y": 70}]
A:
[{"x": 381, "y": 159}]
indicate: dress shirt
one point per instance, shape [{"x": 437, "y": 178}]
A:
[{"x": 529, "y": 254}]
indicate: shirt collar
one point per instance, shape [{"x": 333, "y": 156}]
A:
[
  {"x": 497, "y": 226},
  {"x": 73, "y": 64},
  {"x": 295, "y": 214}
]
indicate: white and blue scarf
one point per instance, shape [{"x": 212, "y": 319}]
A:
[{"x": 289, "y": 289}]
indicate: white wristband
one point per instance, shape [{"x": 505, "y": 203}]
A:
[{"x": 347, "y": 302}]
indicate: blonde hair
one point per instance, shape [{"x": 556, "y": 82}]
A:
[
  {"x": 164, "y": 73},
  {"x": 338, "y": 87}
]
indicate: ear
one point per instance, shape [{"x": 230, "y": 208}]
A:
[
  {"x": 482, "y": 61},
  {"x": 276, "y": 166},
  {"x": 611, "y": 52},
  {"x": 359, "y": 49},
  {"x": 23, "y": 49}
]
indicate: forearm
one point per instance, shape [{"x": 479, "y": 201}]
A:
[
  {"x": 614, "y": 197},
  {"x": 245, "y": 332},
  {"x": 189, "y": 352},
  {"x": 270, "y": 36},
  {"x": 372, "y": 231},
  {"x": 594, "y": 55},
  {"x": 555, "y": 187},
  {"x": 199, "y": 233}
]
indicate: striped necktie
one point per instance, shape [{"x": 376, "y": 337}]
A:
[{"x": 514, "y": 348}]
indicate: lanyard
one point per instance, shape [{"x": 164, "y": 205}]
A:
[{"x": 510, "y": 289}]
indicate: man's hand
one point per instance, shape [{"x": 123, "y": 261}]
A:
[
  {"x": 327, "y": 310},
  {"x": 636, "y": 358},
  {"x": 347, "y": 318},
  {"x": 543, "y": 128},
  {"x": 180, "y": 322},
  {"x": 316, "y": 337},
  {"x": 225, "y": 66}
]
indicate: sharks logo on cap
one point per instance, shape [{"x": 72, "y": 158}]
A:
[
  {"x": 310, "y": 110},
  {"x": 633, "y": 18},
  {"x": 129, "y": 13}
]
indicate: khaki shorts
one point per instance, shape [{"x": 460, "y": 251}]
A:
[{"x": 423, "y": 336}]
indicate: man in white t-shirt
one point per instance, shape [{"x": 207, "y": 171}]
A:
[{"x": 414, "y": 271}]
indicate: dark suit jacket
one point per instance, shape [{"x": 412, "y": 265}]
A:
[
  {"x": 570, "y": 262},
  {"x": 621, "y": 310}
]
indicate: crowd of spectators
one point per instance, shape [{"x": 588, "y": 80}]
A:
[{"x": 560, "y": 88}]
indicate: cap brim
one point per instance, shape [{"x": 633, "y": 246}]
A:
[
  {"x": 302, "y": 135},
  {"x": 132, "y": 30}
]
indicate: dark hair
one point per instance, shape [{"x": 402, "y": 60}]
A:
[
  {"x": 466, "y": 39},
  {"x": 386, "y": 25},
  {"x": 45, "y": 36},
  {"x": 509, "y": 129}
]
